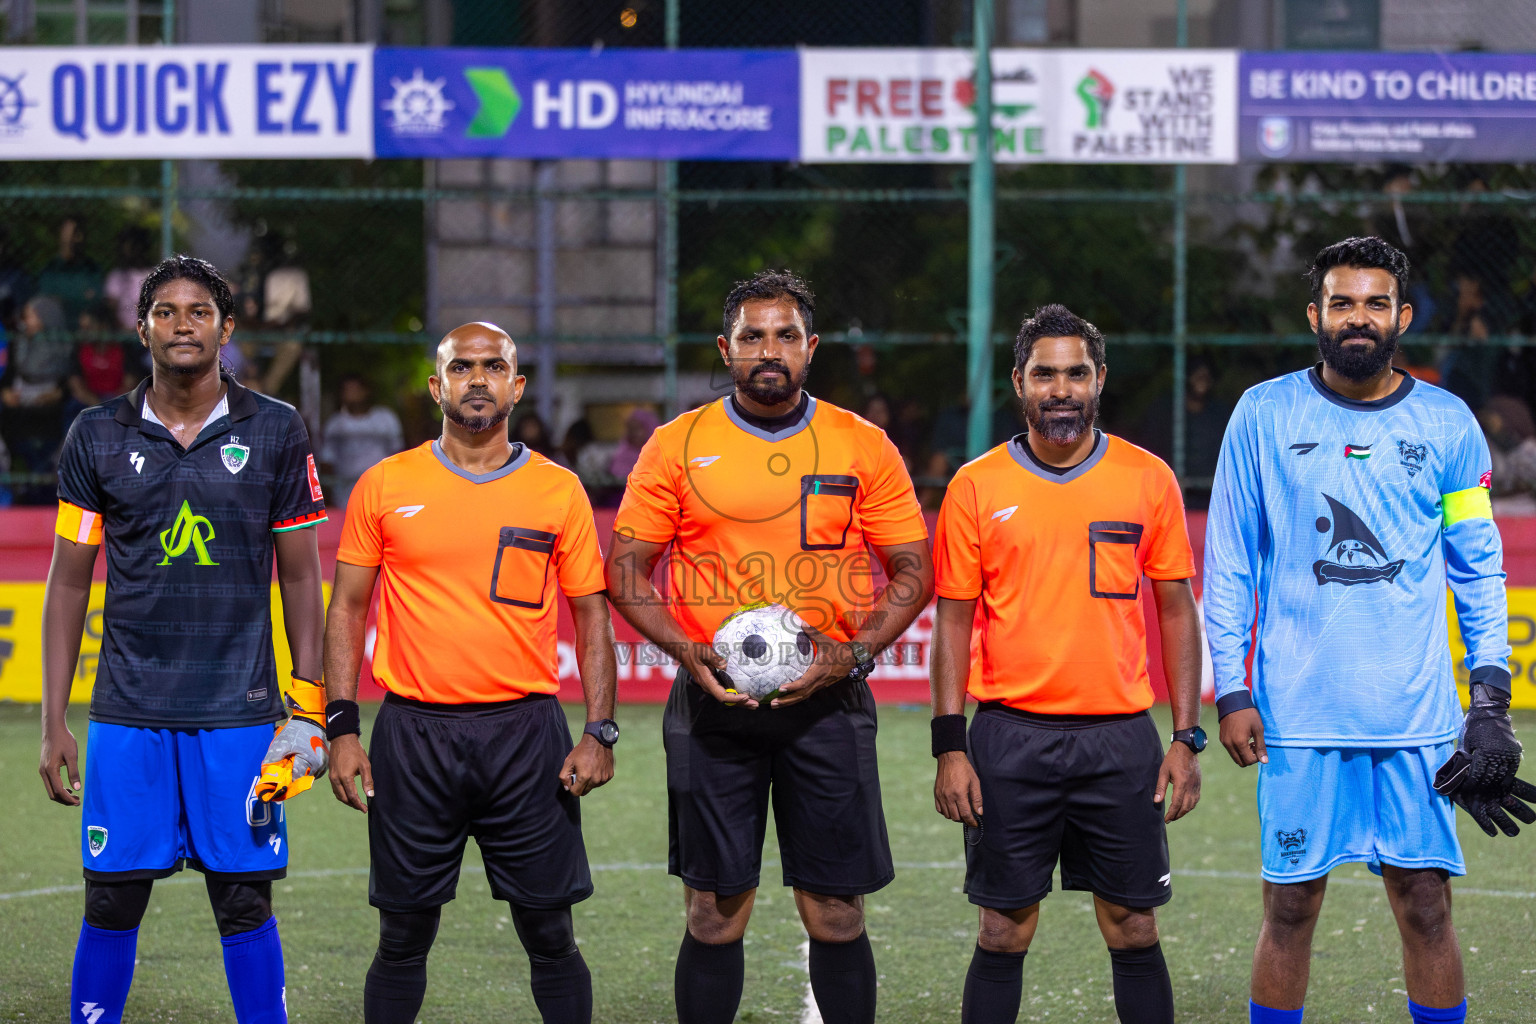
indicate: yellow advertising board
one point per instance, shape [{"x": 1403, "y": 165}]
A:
[{"x": 21, "y": 643}]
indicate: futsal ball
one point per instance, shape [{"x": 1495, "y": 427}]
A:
[{"x": 764, "y": 647}]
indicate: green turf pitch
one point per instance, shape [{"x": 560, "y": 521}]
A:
[{"x": 922, "y": 927}]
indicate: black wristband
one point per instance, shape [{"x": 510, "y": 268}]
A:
[
  {"x": 342, "y": 719},
  {"x": 948, "y": 733}
]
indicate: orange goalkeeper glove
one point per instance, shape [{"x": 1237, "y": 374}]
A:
[{"x": 298, "y": 754}]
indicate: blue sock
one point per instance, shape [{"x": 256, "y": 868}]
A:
[
  {"x": 98, "y": 988},
  {"x": 1433, "y": 1015},
  {"x": 253, "y": 963},
  {"x": 1264, "y": 1015}
]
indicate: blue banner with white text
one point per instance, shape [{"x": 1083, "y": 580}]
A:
[
  {"x": 552, "y": 104},
  {"x": 1388, "y": 107}
]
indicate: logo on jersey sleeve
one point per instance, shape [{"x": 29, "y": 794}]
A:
[
  {"x": 1412, "y": 457},
  {"x": 235, "y": 454},
  {"x": 1354, "y": 554},
  {"x": 96, "y": 840},
  {"x": 315, "y": 493},
  {"x": 1304, "y": 447},
  {"x": 1004, "y": 514},
  {"x": 190, "y": 532}
]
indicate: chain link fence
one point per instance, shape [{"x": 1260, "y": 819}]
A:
[{"x": 354, "y": 269}]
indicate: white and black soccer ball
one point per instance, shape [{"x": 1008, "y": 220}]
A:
[{"x": 764, "y": 647}]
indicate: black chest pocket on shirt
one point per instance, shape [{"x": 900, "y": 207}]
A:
[
  {"x": 1112, "y": 568},
  {"x": 826, "y": 511},
  {"x": 522, "y": 566}
]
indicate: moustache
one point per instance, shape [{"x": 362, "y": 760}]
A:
[
  {"x": 1063, "y": 403},
  {"x": 767, "y": 367},
  {"x": 1366, "y": 332},
  {"x": 474, "y": 393}
]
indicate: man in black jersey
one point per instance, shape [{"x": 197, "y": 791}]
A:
[{"x": 193, "y": 483}]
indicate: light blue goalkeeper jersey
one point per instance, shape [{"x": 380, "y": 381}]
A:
[{"x": 1338, "y": 524}]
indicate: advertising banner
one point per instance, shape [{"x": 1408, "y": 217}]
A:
[
  {"x": 917, "y": 106},
  {"x": 185, "y": 102},
  {"x": 552, "y": 104},
  {"x": 1056, "y": 106},
  {"x": 1143, "y": 106},
  {"x": 1398, "y": 107}
]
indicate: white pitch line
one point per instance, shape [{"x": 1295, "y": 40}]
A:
[
  {"x": 810, "y": 1013},
  {"x": 915, "y": 865}
]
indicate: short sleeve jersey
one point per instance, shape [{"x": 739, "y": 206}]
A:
[
  {"x": 187, "y": 630},
  {"x": 1056, "y": 562},
  {"x": 783, "y": 517},
  {"x": 469, "y": 567}
]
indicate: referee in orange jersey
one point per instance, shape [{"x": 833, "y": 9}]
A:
[
  {"x": 1050, "y": 535},
  {"x": 473, "y": 539},
  {"x": 769, "y": 495}
]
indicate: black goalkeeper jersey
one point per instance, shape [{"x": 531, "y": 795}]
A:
[{"x": 187, "y": 631}]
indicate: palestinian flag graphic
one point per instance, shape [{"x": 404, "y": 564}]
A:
[{"x": 1357, "y": 451}]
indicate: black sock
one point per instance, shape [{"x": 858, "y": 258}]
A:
[
  {"x": 994, "y": 987},
  {"x": 1143, "y": 991},
  {"x": 562, "y": 988},
  {"x": 707, "y": 985},
  {"x": 393, "y": 992},
  {"x": 843, "y": 980},
  {"x": 397, "y": 981}
]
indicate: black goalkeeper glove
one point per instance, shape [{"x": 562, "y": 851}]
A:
[{"x": 1480, "y": 776}]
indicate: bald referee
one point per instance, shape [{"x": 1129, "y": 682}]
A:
[{"x": 473, "y": 538}]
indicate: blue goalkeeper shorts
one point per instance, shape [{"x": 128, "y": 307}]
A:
[
  {"x": 156, "y": 799},
  {"x": 1322, "y": 807}
]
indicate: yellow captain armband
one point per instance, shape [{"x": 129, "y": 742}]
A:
[
  {"x": 78, "y": 524},
  {"x": 1472, "y": 503}
]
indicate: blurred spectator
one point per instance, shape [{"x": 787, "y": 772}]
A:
[
  {"x": 15, "y": 282},
  {"x": 1485, "y": 249},
  {"x": 1205, "y": 421},
  {"x": 934, "y": 480},
  {"x": 910, "y": 430},
  {"x": 1511, "y": 434},
  {"x": 529, "y": 429},
  {"x": 127, "y": 276},
  {"x": 285, "y": 306},
  {"x": 878, "y": 411},
  {"x": 1405, "y": 226},
  {"x": 638, "y": 427},
  {"x": 1467, "y": 370},
  {"x": 32, "y": 393},
  {"x": 102, "y": 369},
  {"x": 577, "y": 437},
  {"x": 71, "y": 276},
  {"x": 358, "y": 436}
]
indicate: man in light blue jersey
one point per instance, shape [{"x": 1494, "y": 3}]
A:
[{"x": 1347, "y": 496}]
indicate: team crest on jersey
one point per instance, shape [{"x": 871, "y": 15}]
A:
[
  {"x": 235, "y": 454},
  {"x": 1293, "y": 844},
  {"x": 1412, "y": 456},
  {"x": 96, "y": 840},
  {"x": 1354, "y": 554}
]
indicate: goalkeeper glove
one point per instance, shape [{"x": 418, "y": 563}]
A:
[
  {"x": 1480, "y": 776},
  {"x": 298, "y": 754}
]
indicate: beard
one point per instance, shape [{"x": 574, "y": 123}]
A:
[
  {"x": 475, "y": 424},
  {"x": 1062, "y": 430},
  {"x": 1352, "y": 362},
  {"x": 749, "y": 381}
]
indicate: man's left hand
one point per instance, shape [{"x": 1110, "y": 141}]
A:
[
  {"x": 1181, "y": 769},
  {"x": 587, "y": 766},
  {"x": 296, "y": 757},
  {"x": 833, "y": 662}
]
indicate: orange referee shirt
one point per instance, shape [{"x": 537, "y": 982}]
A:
[
  {"x": 468, "y": 567},
  {"x": 1057, "y": 563},
  {"x": 783, "y": 517}
]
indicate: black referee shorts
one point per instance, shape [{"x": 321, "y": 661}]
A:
[
  {"x": 816, "y": 760},
  {"x": 1074, "y": 787},
  {"x": 442, "y": 773}
]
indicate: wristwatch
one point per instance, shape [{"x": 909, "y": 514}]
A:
[
  {"x": 1194, "y": 738},
  {"x": 605, "y": 732},
  {"x": 863, "y": 661}
]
